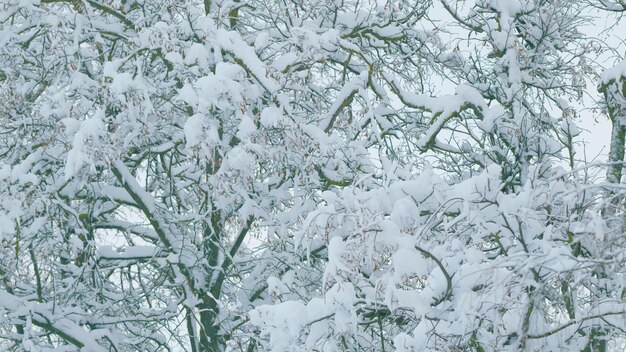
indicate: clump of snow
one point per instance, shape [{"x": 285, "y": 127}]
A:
[
  {"x": 405, "y": 213},
  {"x": 283, "y": 61},
  {"x": 471, "y": 95},
  {"x": 246, "y": 128},
  {"x": 90, "y": 130},
  {"x": 408, "y": 263},
  {"x": 271, "y": 116},
  {"x": 110, "y": 68},
  {"x": 341, "y": 299},
  {"x": 188, "y": 95},
  {"x": 615, "y": 73},
  {"x": 197, "y": 54},
  {"x": 407, "y": 343},
  {"x": 7, "y": 226},
  {"x": 198, "y": 129},
  {"x": 239, "y": 159},
  {"x": 233, "y": 43},
  {"x": 122, "y": 83}
]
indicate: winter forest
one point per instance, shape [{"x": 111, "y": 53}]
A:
[{"x": 312, "y": 175}]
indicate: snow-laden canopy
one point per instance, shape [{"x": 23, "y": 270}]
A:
[{"x": 309, "y": 175}]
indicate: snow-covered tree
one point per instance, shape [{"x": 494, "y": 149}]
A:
[{"x": 256, "y": 175}]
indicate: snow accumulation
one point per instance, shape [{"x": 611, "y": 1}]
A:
[{"x": 345, "y": 175}]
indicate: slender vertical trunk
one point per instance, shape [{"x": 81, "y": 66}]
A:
[
  {"x": 616, "y": 153},
  {"x": 191, "y": 330},
  {"x": 210, "y": 337},
  {"x": 616, "y": 108}
]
